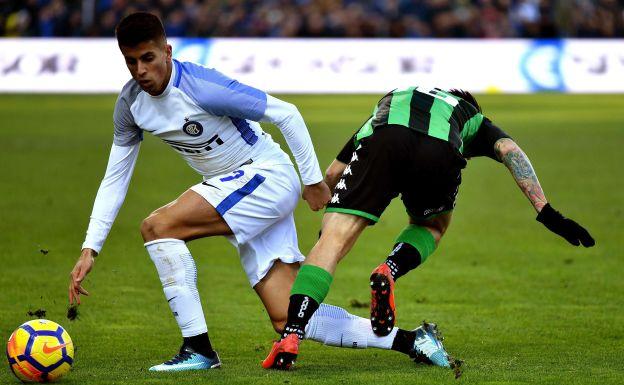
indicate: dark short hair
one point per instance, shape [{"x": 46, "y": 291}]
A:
[
  {"x": 467, "y": 96},
  {"x": 139, "y": 27}
]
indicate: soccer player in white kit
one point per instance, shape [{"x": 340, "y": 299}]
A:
[{"x": 249, "y": 191}]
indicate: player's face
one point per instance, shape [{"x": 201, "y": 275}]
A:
[{"x": 150, "y": 65}]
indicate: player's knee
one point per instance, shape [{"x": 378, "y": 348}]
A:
[
  {"x": 154, "y": 227},
  {"x": 437, "y": 230}
]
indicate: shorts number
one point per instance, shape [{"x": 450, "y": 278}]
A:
[{"x": 235, "y": 175}]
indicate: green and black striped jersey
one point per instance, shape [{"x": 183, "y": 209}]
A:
[
  {"x": 436, "y": 113},
  {"x": 430, "y": 111}
]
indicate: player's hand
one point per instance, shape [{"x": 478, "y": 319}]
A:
[
  {"x": 317, "y": 195},
  {"x": 565, "y": 227},
  {"x": 78, "y": 274}
]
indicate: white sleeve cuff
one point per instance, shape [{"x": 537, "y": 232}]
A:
[
  {"x": 111, "y": 194},
  {"x": 290, "y": 122}
]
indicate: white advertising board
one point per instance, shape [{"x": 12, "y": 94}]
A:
[{"x": 331, "y": 65}]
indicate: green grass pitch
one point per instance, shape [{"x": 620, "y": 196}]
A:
[{"x": 514, "y": 301}]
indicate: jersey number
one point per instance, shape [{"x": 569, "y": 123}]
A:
[{"x": 439, "y": 94}]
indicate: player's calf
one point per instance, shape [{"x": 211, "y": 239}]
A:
[{"x": 412, "y": 248}]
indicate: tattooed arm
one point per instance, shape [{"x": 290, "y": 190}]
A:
[{"x": 520, "y": 167}]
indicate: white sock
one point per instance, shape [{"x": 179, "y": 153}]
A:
[
  {"x": 178, "y": 275},
  {"x": 334, "y": 326}
]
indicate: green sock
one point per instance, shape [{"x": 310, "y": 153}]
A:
[
  {"x": 308, "y": 291},
  {"x": 312, "y": 281}
]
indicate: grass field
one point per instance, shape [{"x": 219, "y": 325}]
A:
[{"x": 516, "y": 302}]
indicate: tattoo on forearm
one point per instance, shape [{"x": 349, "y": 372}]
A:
[{"x": 520, "y": 167}]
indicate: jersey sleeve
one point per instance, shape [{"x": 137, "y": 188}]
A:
[
  {"x": 482, "y": 144},
  {"x": 218, "y": 94},
  {"x": 127, "y": 133},
  {"x": 290, "y": 122},
  {"x": 111, "y": 194}
]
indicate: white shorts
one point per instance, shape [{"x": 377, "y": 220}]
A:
[{"x": 257, "y": 202}]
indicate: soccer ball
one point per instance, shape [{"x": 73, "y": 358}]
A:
[{"x": 40, "y": 351}]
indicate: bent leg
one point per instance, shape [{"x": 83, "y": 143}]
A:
[
  {"x": 330, "y": 325},
  {"x": 165, "y": 232},
  {"x": 416, "y": 243},
  {"x": 412, "y": 247}
]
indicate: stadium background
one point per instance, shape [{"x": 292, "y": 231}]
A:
[{"x": 515, "y": 302}]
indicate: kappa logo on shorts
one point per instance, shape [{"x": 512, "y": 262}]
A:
[
  {"x": 347, "y": 170},
  {"x": 192, "y": 127},
  {"x": 341, "y": 185},
  {"x": 335, "y": 199}
]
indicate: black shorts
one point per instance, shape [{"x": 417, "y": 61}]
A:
[{"x": 395, "y": 160}]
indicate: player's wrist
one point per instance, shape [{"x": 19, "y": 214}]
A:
[
  {"x": 548, "y": 214},
  {"x": 88, "y": 252}
]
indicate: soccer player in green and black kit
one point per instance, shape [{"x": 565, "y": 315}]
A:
[{"x": 415, "y": 144}]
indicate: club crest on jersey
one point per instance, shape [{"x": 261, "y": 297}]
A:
[{"x": 192, "y": 127}]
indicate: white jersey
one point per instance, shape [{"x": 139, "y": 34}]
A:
[{"x": 208, "y": 118}]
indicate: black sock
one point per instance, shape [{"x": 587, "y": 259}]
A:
[
  {"x": 404, "y": 341},
  {"x": 200, "y": 344},
  {"x": 300, "y": 310},
  {"x": 402, "y": 259}
]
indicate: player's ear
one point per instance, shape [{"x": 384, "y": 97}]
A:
[{"x": 169, "y": 51}]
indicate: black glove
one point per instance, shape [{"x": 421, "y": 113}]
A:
[{"x": 565, "y": 227}]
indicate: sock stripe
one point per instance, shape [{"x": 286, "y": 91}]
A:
[
  {"x": 312, "y": 281},
  {"x": 420, "y": 238}
]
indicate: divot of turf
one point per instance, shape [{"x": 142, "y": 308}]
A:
[
  {"x": 39, "y": 313},
  {"x": 72, "y": 312}
]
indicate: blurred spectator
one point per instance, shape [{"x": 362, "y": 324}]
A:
[{"x": 323, "y": 18}]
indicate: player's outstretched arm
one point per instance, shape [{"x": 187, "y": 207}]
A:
[
  {"x": 108, "y": 201},
  {"x": 522, "y": 171}
]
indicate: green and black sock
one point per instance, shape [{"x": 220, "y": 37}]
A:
[
  {"x": 411, "y": 248},
  {"x": 308, "y": 292}
]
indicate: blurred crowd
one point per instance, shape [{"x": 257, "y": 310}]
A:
[{"x": 322, "y": 18}]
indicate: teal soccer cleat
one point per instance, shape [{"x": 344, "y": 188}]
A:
[
  {"x": 188, "y": 359},
  {"x": 428, "y": 346}
]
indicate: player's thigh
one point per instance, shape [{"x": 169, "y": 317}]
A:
[
  {"x": 431, "y": 189},
  {"x": 274, "y": 290},
  {"x": 278, "y": 242},
  {"x": 188, "y": 217}
]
